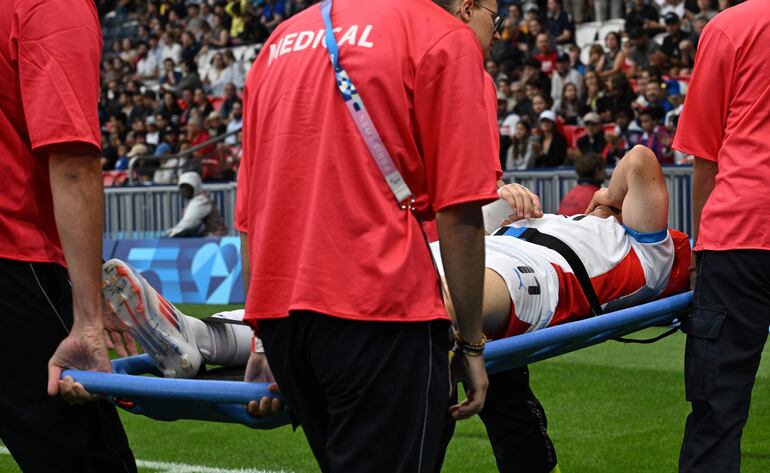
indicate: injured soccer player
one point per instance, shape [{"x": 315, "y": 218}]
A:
[
  {"x": 547, "y": 271},
  {"x": 540, "y": 272}
]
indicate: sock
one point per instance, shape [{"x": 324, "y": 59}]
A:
[{"x": 226, "y": 344}]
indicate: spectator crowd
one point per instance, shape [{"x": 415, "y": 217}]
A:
[
  {"x": 575, "y": 81},
  {"x": 172, "y": 76},
  {"x": 573, "y": 78}
]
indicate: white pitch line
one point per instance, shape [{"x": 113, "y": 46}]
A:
[{"x": 166, "y": 467}]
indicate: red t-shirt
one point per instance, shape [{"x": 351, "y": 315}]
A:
[
  {"x": 49, "y": 89},
  {"x": 325, "y": 233},
  {"x": 577, "y": 199},
  {"x": 431, "y": 231},
  {"x": 726, "y": 118},
  {"x": 547, "y": 61}
]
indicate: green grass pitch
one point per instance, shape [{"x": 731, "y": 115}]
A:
[{"x": 611, "y": 408}]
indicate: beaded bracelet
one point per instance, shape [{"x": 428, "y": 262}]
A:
[{"x": 470, "y": 349}]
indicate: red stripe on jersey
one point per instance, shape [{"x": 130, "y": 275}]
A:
[
  {"x": 515, "y": 326},
  {"x": 625, "y": 278},
  {"x": 572, "y": 304}
]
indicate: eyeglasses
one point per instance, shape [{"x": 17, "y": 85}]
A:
[{"x": 497, "y": 19}]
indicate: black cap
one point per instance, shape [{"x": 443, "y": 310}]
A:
[
  {"x": 563, "y": 57},
  {"x": 671, "y": 18}
]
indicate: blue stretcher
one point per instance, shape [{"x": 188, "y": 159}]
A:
[{"x": 137, "y": 386}]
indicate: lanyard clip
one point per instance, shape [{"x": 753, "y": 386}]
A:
[{"x": 408, "y": 203}]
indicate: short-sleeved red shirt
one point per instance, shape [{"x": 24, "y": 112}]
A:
[
  {"x": 49, "y": 89},
  {"x": 577, "y": 199},
  {"x": 325, "y": 233},
  {"x": 726, "y": 118}
]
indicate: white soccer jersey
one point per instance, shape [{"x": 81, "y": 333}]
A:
[{"x": 625, "y": 268}]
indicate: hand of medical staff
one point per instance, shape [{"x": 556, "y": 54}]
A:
[
  {"x": 116, "y": 333},
  {"x": 258, "y": 371},
  {"x": 525, "y": 203},
  {"x": 83, "y": 349},
  {"x": 472, "y": 370}
]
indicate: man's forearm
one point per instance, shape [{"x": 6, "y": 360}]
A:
[
  {"x": 78, "y": 201},
  {"x": 461, "y": 234},
  {"x": 704, "y": 174}
]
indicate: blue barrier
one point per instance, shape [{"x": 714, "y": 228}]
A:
[{"x": 186, "y": 270}]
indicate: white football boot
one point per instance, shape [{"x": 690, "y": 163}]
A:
[{"x": 154, "y": 322}]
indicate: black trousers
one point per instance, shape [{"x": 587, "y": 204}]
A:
[
  {"x": 725, "y": 338},
  {"x": 516, "y": 425},
  {"x": 46, "y": 434},
  {"x": 370, "y": 396}
]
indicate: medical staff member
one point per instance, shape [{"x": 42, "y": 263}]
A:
[
  {"x": 725, "y": 124},
  {"x": 51, "y": 213},
  {"x": 342, "y": 288}
]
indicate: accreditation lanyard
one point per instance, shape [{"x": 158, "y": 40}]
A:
[{"x": 361, "y": 117}]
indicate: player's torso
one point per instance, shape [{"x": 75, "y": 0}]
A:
[{"x": 623, "y": 271}]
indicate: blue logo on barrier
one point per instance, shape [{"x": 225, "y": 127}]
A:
[{"x": 190, "y": 270}]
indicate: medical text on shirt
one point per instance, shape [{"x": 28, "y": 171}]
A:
[{"x": 292, "y": 42}]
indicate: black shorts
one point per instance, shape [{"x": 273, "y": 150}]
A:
[
  {"x": 46, "y": 434},
  {"x": 370, "y": 396}
]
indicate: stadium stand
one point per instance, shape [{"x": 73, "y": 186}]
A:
[{"x": 168, "y": 63}]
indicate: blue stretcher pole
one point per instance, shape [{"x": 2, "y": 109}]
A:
[
  {"x": 223, "y": 401},
  {"x": 508, "y": 353}
]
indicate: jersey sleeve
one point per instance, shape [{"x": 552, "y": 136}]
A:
[
  {"x": 701, "y": 126},
  {"x": 59, "y": 44},
  {"x": 452, "y": 122}
]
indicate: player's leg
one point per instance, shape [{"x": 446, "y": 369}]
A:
[
  {"x": 172, "y": 340},
  {"x": 516, "y": 424},
  {"x": 223, "y": 339},
  {"x": 496, "y": 304},
  {"x": 162, "y": 330}
]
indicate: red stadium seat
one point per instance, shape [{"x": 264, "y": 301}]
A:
[
  {"x": 579, "y": 133},
  {"x": 217, "y": 102},
  {"x": 114, "y": 178},
  {"x": 569, "y": 135}
]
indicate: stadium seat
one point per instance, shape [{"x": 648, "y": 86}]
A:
[
  {"x": 609, "y": 127},
  {"x": 607, "y": 28},
  {"x": 114, "y": 178},
  {"x": 579, "y": 133},
  {"x": 216, "y": 102},
  {"x": 585, "y": 33},
  {"x": 569, "y": 134}
]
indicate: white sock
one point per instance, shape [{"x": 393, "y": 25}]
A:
[{"x": 222, "y": 343}]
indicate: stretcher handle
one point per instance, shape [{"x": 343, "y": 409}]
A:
[{"x": 142, "y": 387}]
